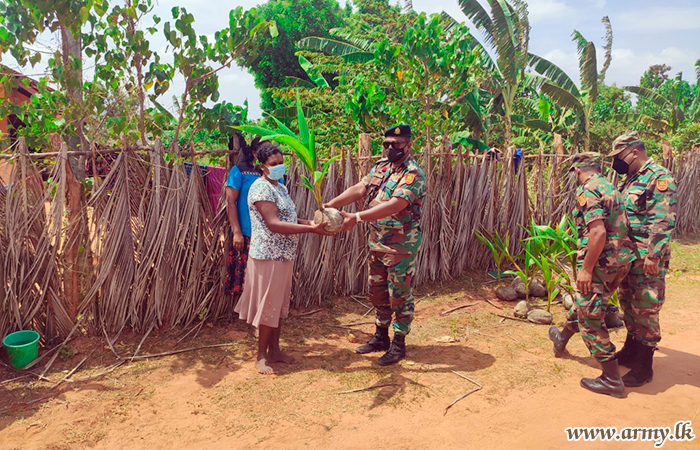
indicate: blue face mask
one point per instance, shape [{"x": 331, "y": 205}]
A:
[{"x": 277, "y": 172}]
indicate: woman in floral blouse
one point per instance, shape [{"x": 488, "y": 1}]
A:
[{"x": 273, "y": 248}]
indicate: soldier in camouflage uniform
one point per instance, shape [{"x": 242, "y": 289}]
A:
[
  {"x": 604, "y": 255},
  {"x": 649, "y": 196},
  {"x": 394, "y": 189}
]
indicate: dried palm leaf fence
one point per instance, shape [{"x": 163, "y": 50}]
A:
[{"x": 157, "y": 250}]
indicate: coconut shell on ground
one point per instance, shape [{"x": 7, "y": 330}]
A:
[
  {"x": 506, "y": 294},
  {"x": 537, "y": 290},
  {"x": 540, "y": 317},
  {"x": 332, "y": 217},
  {"x": 520, "y": 290},
  {"x": 521, "y": 309},
  {"x": 567, "y": 301}
]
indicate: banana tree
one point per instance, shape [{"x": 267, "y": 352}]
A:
[
  {"x": 304, "y": 147},
  {"x": 564, "y": 92},
  {"x": 507, "y": 34}
]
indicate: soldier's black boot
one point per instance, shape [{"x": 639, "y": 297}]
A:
[
  {"x": 396, "y": 352},
  {"x": 612, "y": 318},
  {"x": 380, "y": 342},
  {"x": 642, "y": 371},
  {"x": 608, "y": 383},
  {"x": 560, "y": 339},
  {"x": 627, "y": 355}
]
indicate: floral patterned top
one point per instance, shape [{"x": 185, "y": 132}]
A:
[{"x": 264, "y": 244}]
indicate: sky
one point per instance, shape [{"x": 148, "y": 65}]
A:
[{"x": 645, "y": 32}]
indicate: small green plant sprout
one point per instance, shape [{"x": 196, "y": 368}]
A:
[
  {"x": 498, "y": 246},
  {"x": 552, "y": 278},
  {"x": 304, "y": 147}
]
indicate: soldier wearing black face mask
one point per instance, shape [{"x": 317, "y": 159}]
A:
[
  {"x": 649, "y": 197},
  {"x": 394, "y": 189}
]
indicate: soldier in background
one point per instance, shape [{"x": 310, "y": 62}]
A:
[
  {"x": 604, "y": 256},
  {"x": 394, "y": 189},
  {"x": 649, "y": 196}
]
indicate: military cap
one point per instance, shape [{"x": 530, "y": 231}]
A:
[
  {"x": 398, "y": 131},
  {"x": 625, "y": 141},
  {"x": 587, "y": 159}
]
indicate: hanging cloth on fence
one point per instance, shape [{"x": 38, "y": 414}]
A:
[{"x": 215, "y": 178}]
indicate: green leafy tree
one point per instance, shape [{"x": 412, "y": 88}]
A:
[
  {"x": 198, "y": 60},
  {"x": 665, "y": 109},
  {"x": 272, "y": 59},
  {"x": 564, "y": 92}
]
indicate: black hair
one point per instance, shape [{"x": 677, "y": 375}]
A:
[
  {"x": 246, "y": 161},
  {"x": 639, "y": 146},
  {"x": 267, "y": 149}
]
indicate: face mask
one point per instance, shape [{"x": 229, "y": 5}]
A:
[
  {"x": 395, "y": 154},
  {"x": 277, "y": 172},
  {"x": 620, "y": 166}
]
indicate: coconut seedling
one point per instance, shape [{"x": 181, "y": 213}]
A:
[{"x": 304, "y": 147}]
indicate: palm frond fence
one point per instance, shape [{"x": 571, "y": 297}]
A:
[{"x": 157, "y": 250}]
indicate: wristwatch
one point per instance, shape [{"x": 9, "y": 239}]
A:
[{"x": 357, "y": 216}]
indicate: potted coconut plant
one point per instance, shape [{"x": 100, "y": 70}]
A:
[{"x": 304, "y": 147}]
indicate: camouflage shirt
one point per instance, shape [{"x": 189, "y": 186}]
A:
[
  {"x": 400, "y": 232},
  {"x": 618, "y": 250},
  {"x": 651, "y": 204}
]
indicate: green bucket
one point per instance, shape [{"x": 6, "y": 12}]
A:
[{"x": 22, "y": 347}]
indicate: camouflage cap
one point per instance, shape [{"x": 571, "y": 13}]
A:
[
  {"x": 587, "y": 159},
  {"x": 624, "y": 141}
]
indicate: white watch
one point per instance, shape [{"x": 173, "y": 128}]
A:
[{"x": 357, "y": 216}]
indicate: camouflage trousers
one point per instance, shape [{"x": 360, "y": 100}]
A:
[
  {"x": 588, "y": 313},
  {"x": 391, "y": 281},
  {"x": 641, "y": 299}
]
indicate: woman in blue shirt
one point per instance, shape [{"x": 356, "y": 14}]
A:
[{"x": 240, "y": 178}]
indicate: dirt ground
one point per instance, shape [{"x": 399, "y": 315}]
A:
[{"x": 214, "y": 399}]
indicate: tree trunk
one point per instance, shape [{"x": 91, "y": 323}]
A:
[{"x": 73, "y": 84}]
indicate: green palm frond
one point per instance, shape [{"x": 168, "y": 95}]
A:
[
  {"x": 540, "y": 125},
  {"x": 502, "y": 19},
  {"x": 480, "y": 18},
  {"x": 648, "y": 94},
  {"x": 554, "y": 73},
  {"x": 313, "y": 72},
  {"x": 587, "y": 64},
  {"x": 328, "y": 46},
  {"x": 349, "y": 36},
  {"x": 562, "y": 97},
  {"x": 359, "y": 57}
]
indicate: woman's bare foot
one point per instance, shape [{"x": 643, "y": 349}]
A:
[
  {"x": 279, "y": 356},
  {"x": 263, "y": 368}
]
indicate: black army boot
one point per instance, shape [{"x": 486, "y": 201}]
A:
[
  {"x": 642, "y": 371},
  {"x": 612, "y": 318},
  {"x": 560, "y": 339},
  {"x": 396, "y": 352},
  {"x": 380, "y": 342},
  {"x": 608, "y": 383},
  {"x": 628, "y": 354}
]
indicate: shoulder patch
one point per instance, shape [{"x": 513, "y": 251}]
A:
[
  {"x": 582, "y": 199},
  {"x": 410, "y": 178},
  {"x": 662, "y": 185}
]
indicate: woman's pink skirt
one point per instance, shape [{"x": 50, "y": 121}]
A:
[{"x": 266, "y": 292}]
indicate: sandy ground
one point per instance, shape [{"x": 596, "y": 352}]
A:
[{"x": 213, "y": 399}]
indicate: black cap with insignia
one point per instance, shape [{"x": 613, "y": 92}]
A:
[{"x": 398, "y": 131}]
